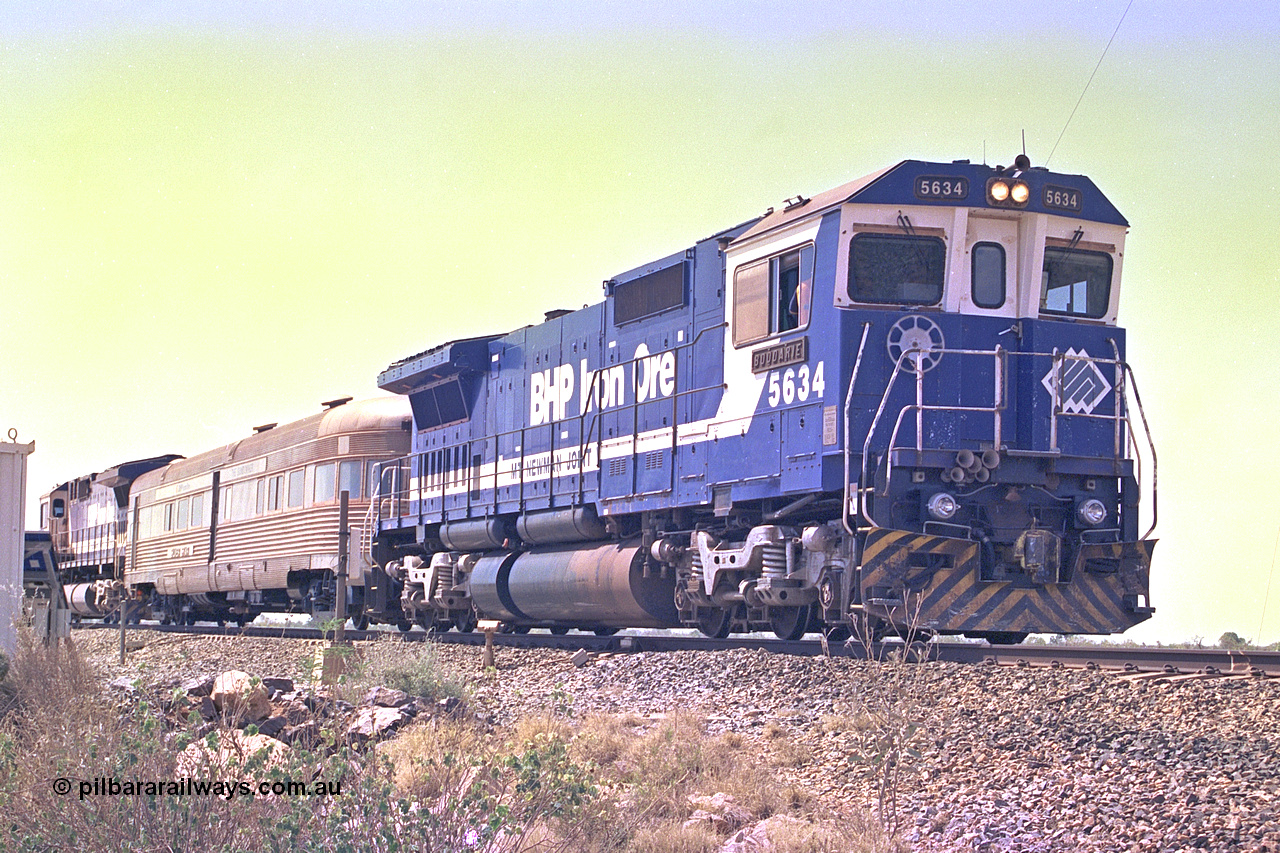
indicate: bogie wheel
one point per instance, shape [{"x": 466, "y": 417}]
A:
[
  {"x": 465, "y": 620},
  {"x": 790, "y": 623},
  {"x": 866, "y": 630},
  {"x": 559, "y": 630},
  {"x": 404, "y": 626},
  {"x": 1006, "y": 638},
  {"x": 360, "y": 621},
  {"x": 837, "y": 633},
  {"x": 605, "y": 632},
  {"x": 715, "y": 622}
]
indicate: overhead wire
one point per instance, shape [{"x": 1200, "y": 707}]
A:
[
  {"x": 1267, "y": 597},
  {"x": 1089, "y": 83}
]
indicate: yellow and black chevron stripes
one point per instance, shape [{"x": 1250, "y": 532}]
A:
[{"x": 940, "y": 580}]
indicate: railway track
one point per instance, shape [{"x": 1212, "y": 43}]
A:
[{"x": 1139, "y": 661}]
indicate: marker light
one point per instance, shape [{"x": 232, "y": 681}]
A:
[
  {"x": 1091, "y": 512},
  {"x": 999, "y": 191},
  {"x": 942, "y": 506},
  {"x": 1020, "y": 193}
]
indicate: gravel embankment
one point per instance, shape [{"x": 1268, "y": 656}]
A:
[{"x": 997, "y": 759}]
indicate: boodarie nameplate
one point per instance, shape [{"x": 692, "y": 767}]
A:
[{"x": 780, "y": 355}]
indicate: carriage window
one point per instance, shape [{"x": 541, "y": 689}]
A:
[
  {"x": 772, "y": 296},
  {"x": 198, "y": 518},
  {"x": 184, "y": 516},
  {"x": 296, "y": 488},
  {"x": 274, "y": 486},
  {"x": 896, "y": 269},
  {"x": 349, "y": 478},
  {"x": 243, "y": 499},
  {"x": 1075, "y": 282},
  {"x": 322, "y": 492},
  {"x": 988, "y": 275}
]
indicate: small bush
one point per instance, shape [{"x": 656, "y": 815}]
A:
[{"x": 418, "y": 674}]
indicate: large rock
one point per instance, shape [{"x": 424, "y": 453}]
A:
[
  {"x": 374, "y": 723},
  {"x": 227, "y": 760},
  {"x": 238, "y": 697},
  {"x": 720, "y": 810},
  {"x": 199, "y": 686},
  {"x": 763, "y": 837},
  {"x": 385, "y": 697}
]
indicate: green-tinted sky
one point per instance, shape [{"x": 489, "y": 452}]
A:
[{"x": 213, "y": 217}]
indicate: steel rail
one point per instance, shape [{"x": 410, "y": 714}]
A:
[{"x": 1157, "y": 659}]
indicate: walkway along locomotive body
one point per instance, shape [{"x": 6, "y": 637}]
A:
[{"x": 900, "y": 403}]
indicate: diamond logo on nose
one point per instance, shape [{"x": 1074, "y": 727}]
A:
[{"x": 1081, "y": 384}]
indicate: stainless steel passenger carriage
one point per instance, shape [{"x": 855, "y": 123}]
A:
[{"x": 254, "y": 526}]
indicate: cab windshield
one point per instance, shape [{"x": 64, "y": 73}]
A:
[
  {"x": 889, "y": 268},
  {"x": 1075, "y": 282}
]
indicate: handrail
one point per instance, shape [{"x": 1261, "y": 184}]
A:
[
  {"x": 1124, "y": 425},
  {"x": 589, "y": 423},
  {"x": 848, "y": 404},
  {"x": 1146, "y": 428}
]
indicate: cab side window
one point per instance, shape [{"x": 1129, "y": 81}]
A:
[{"x": 772, "y": 295}]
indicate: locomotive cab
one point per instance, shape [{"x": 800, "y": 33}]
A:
[{"x": 990, "y": 450}]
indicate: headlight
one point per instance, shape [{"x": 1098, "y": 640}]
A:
[
  {"x": 942, "y": 506},
  {"x": 1008, "y": 192},
  {"x": 1091, "y": 512}
]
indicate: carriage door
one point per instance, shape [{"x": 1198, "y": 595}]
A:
[
  {"x": 990, "y": 292},
  {"x": 991, "y": 255}
]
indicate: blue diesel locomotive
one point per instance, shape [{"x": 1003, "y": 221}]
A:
[{"x": 900, "y": 404}]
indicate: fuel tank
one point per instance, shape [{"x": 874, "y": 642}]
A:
[{"x": 593, "y": 586}]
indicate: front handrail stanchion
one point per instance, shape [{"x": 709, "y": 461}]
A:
[
  {"x": 866, "y": 445},
  {"x": 1119, "y": 396},
  {"x": 848, "y": 404},
  {"x": 918, "y": 361},
  {"x": 997, "y": 400},
  {"x": 1056, "y": 394}
]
